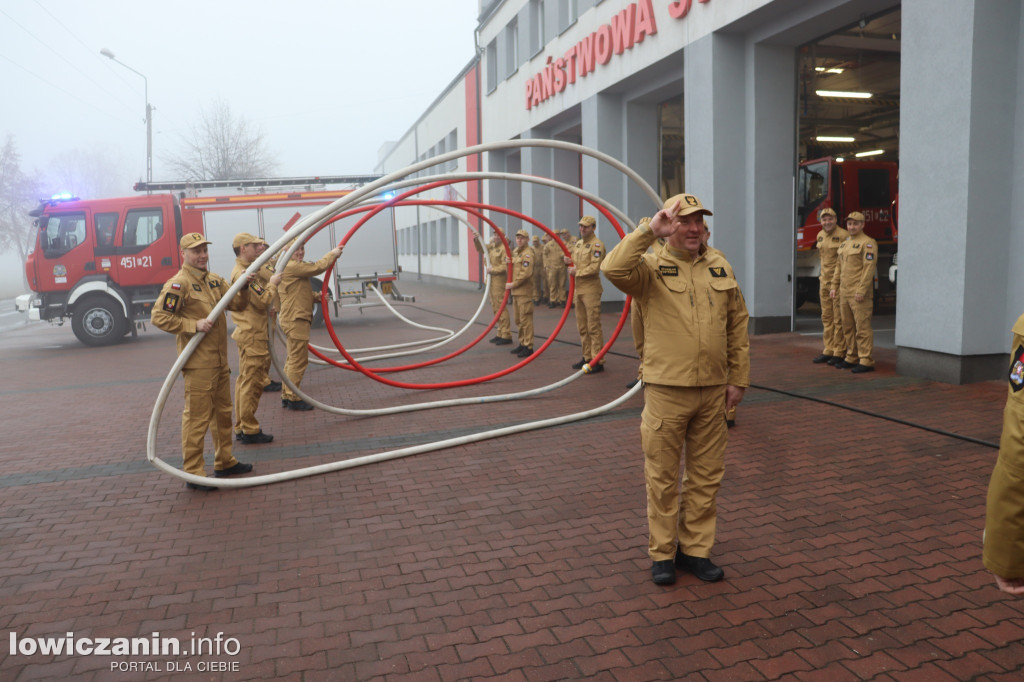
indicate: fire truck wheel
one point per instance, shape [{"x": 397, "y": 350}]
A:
[{"x": 98, "y": 321}]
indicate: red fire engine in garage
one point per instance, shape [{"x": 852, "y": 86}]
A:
[
  {"x": 102, "y": 262},
  {"x": 844, "y": 186}
]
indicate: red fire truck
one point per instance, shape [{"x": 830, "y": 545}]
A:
[
  {"x": 844, "y": 186},
  {"x": 102, "y": 262}
]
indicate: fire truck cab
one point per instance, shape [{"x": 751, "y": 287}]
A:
[{"x": 844, "y": 186}]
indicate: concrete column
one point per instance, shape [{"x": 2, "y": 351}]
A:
[
  {"x": 538, "y": 200},
  {"x": 566, "y": 168},
  {"x": 602, "y": 118},
  {"x": 958, "y": 227},
  {"x": 641, "y": 153},
  {"x": 740, "y": 160}
]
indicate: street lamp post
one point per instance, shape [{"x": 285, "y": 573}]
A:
[{"x": 149, "y": 114}]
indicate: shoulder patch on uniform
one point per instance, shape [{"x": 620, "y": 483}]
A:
[
  {"x": 837, "y": 239},
  {"x": 869, "y": 256},
  {"x": 171, "y": 302},
  {"x": 597, "y": 252},
  {"x": 869, "y": 245},
  {"x": 175, "y": 285},
  {"x": 1017, "y": 369},
  {"x": 255, "y": 286},
  {"x": 214, "y": 283},
  {"x": 717, "y": 271},
  {"x": 669, "y": 270},
  {"x": 197, "y": 287}
]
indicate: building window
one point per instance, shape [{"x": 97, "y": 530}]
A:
[
  {"x": 423, "y": 240},
  {"x": 536, "y": 26},
  {"x": 442, "y": 236},
  {"x": 433, "y": 237},
  {"x": 454, "y": 241},
  {"x": 511, "y": 47},
  {"x": 453, "y": 144},
  {"x": 491, "y": 56},
  {"x": 568, "y": 11}
]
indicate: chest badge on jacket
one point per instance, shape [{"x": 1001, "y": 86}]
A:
[{"x": 717, "y": 272}]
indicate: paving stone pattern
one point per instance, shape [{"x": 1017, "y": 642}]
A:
[{"x": 850, "y": 540}]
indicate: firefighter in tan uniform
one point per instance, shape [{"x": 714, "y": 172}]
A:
[
  {"x": 852, "y": 286},
  {"x": 585, "y": 266},
  {"x": 183, "y": 308},
  {"x": 250, "y": 336},
  {"x": 497, "y": 268},
  {"x": 696, "y": 365},
  {"x": 296, "y": 316},
  {"x": 555, "y": 269},
  {"x": 540, "y": 283},
  {"x": 1004, "y": 515},
  {"x": 829, "y": 240},
  {"x": 523, "y": 262}
]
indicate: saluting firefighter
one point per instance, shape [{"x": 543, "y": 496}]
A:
[
  {"x": 853, "y": 285},
  {"x": 554, "y": 269},
  {"x": 497, "y": 268},
  {"x": 251, "y": 337},
  {"x": 830, "y": 238},
  {"x": 585, "y": 266},
  {"x": 183, "y": 308},
  {"x": 1003, "y": 538},
  {"x": 696, "y": 365},
  {"x": 297, "y": 299},
  {"x": 521, "y": 286}
]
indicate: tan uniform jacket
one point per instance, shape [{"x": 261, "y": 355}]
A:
[
  {"x": 185, "y": 299},
  {"x": 296, "y": 293},
  {"x": 523, "y": 262},
  {"x": 828, "y": 251},
  {"x": 587, "y": 255},
  {"x": 1004, "y": 516},
  {"x": 251, "y": 323},
  {"x": 855, "y": 270},
  {"x": 553, "y": 255},
  {"x": 496, "y": 264},
  {"x": 694, "y": 315}
]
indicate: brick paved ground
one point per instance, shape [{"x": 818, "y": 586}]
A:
[{"x": 850, "y": 541}]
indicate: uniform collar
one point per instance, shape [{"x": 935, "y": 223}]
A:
[
  {"x": 195, "y": 272},
  {"x": 685, "y": 255}
]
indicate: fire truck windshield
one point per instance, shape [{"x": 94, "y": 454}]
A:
[
  {"x": 812, "y": 187},
  {"x": 61, "y": 232}
]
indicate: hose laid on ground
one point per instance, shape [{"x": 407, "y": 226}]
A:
[{"x": 291, "y": 241}]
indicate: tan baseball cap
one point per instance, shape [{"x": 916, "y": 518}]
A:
[
  {"x": 192, "y": 240},
  {"x": 826, "y": 211},
  {"x": 588, "y": 221},
  {"x": 243, "y": 238},
  {"x": 687, "y": 204},
  {"x": 856, "y": 215},
  {"x": 523, "y": 233}
]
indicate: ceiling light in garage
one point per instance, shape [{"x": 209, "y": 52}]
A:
[
  {"x": 841, "y": 93},
  {"x": 833, "y": 69},
  {"x": 873, "y": 152},
  {"x": 831, "y": 138}
]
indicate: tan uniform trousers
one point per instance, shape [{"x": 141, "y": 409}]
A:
[
  {"x": 832, "y": 336},
  {"x": 503, "y": 329},
  {"x": 540, "y": 282},
  {"x": 556, "y": 285},
  {"x": 588, "y": 317},
  {"x": 207, "y": 408},
  {"x": 523, "y": 307},
  {"x": 253, "y": 375},
  {"x": 297, "y": 332},
  {"x": 682, "y": 427},
  {"x": 857, "y": 329}
]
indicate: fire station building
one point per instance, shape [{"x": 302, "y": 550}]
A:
[{"x": 725, "y": 99}]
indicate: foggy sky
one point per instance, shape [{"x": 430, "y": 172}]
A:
[{"x": 329, "y": 82}]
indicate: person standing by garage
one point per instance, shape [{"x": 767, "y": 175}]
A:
[
  {"x": 497, "y": 268},
  {"x": 183, "y": 308},
  {"x": 696, "y": 365},
  {"x": 1003, "y": 538},
  {"x": 251, "y": 337},
  {"x": 554, "y": 269},
  {"x": 852, "y": 285},
  {"x": 830, "y": 238},
  {"x": 297, "y": 299}
]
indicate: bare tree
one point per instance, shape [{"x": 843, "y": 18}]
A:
[
  {"x": 90, "y": 174},
  {"x": 223, "y": 147},
  {"x": 19, "y": 193}
]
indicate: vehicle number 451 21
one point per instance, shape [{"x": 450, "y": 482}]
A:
[{"x": 129, "y": 262}]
